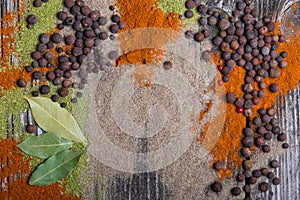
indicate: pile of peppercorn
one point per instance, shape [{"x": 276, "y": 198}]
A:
[
  {"x": 88, "y": 29},
  {"x": 247, "y": 41}
]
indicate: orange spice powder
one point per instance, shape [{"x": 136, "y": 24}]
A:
[
  {"x": 143, "y": 14},
  {"x": 14, "y": 174},
  {"x": 9, "y": 71}
]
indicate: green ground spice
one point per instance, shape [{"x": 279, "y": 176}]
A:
[
  {"x": 78, "y": 177},
  {"x": 27, "y": 39},
  {"x": 12, "y": 104},
  {"x": 80, "y": 111},
  {"x": 178, "y": 7}
]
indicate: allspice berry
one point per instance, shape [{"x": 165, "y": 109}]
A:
[
  {"x": 21, "y": 82},
  {"x": 32, "y": 19},
  {"x": 30, "y": 128},
  {"x": 167, "y": 65},
  {"x": 236, "y": 191},
  {"x": 63, "y": 92},
  {"x": 247, "y": 164},
  {"x": 264, "y": 187},
  {"x": 217, "y": 187},
  {"x": 44, "y": 89},
  {"x": 246, "y": 152}
]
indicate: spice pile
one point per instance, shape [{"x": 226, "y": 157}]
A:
[
  {"x": 142, "y": 14},
  {"x": 251, "y": 63}
]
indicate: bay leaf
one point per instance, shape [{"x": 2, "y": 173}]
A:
[
  {"x": 55, "y": 168},
  {"x": 52, "y": 118},
  {"x": 45, "y": 145}
]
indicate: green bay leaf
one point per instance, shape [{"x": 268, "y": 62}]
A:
[
  {"x": 52, "y": 118},
  {"x": 45, "y": 145},
  {"x": 55, "y": 168}
]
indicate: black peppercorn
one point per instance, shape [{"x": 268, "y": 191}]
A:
[
  {"x": 30, "y": 128},
  {"x": 285, "y": 145},
  {"x": 22, "y": 82},
  {"x": 274, "y": 164},
  {"x": 63, "y": 92},
  {"x": 240, "y": 177},
  {"x": 266, "y": 148},
  {"x": 217, "y": 187},
  {"x": 247, "y": 164},
  {"x": 276, "y": 181},
  {"x": 44, "y": 89},
  {"x": 236, "y": 191},
  {"x": 264, "y": 187},
  {"x": 55, "y": 98},
  {"x": 35, "y": 93},
  {"x": 32, "y": 19},
  {"x": 270, "y": 175}
]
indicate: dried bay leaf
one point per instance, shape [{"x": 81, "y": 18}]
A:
[
  {"x": 55, "y": 168},
  {"x": 45, "y": 145},
  {"x": 52, "y": 118}
]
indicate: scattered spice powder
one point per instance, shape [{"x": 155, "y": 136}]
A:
[
  {"x": 9, "y": 71},
  {"x": 289, "y": 77},
  {"x": 229, "y": 143},
  {"x": 14, "y": 174},
  {"x": 143, "y": 14}
]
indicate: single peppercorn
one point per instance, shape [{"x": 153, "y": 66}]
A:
[
  {"x": 63, "y": 92},
  {"x": 63, "y": 104},
  {"x": 230, "y": 97},
  {"x": 240, "y": 177},
  {"x": 114, "y": 28},
  {"x": 274, "y": 87},
  {"x": 256, "y": 173},
  {"x": 281, "y": 137},
  {"x": 55, "y": 98},
  {"x": 247, "y": 141},
  {"x": 32, "y": 19},
  {"x": 270, "y": 175},
  {"x": 247, "y": 189},
  {"x": 247, "y": 164},
  {"x": 217, "y": 187},
  {"x": 259, "y": 141},
  {"x": 30, "y": 128},
  {"x": 167, "y": 65},
  {"x": 274, "y": 164},
  {"x": 285, "y": 145},
  {"x": 22, "y": 82},
  {"x": 37, "y": 3},
  {"x": 219, "y": 165},
  {"x": 276, "y": 181},
  {"x": 199, "y": 37},
  {"x": 37, "y": 75},
  {"x": 268, "y": 136},
  {"x": 264, "y": 171},
  {"x": 115, "y": 18},
  {"x": 56, "y": 38},
  {"x": 264, "y": 187},
  {"x": 252, "y": 180},
  {"x": 266, "y": 148},
  {"x": 44, "y": 89},
  {"x": 29, "y": 68},
  {"x": 236, "y": 191}
]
